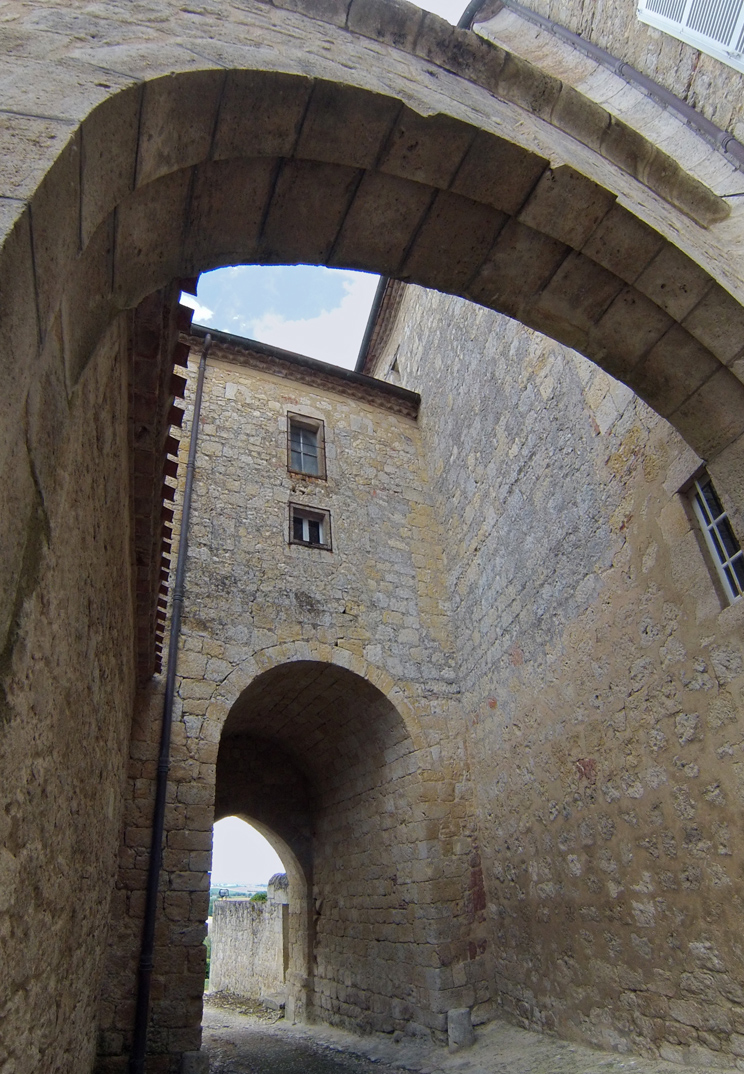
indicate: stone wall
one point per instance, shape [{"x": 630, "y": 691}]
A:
[
  {"x": 336, "y": 669},
  {"x": 374, "y": 605},
  {"x": 250, "y": 944},
  {"x": 601, "y": 685},
  {"x": 111, "y": 190},
  {"x": 710, "y": 86},
  {"x": 65, "y": 707}
]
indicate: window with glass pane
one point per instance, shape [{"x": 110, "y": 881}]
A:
[
  {"x": 720, "y": 538},
  {"x": 713, "y": 26},
  {"x": 309, "y": 526},
  {"x": 306, "y": 448}
]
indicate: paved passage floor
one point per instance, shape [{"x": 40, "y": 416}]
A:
[{"x": 242, "y": 1040}]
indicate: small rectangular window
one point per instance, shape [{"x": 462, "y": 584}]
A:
[
  {"x": 720, "y": 538},
  {"x": 305, "y": 446},
  {"x": 309, "y": 526}
]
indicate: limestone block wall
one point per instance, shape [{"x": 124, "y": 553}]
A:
[
  {"x": 67, "y": 669},
  {"x": 248, "y": 944},
  {"x": 390, "y": 880},
  {"x": 377, "y": 600},
  {"x": 601, "y": 684},
  {"x": 710, "y": 86}
]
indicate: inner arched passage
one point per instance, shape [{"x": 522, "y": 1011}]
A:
[{"x": 321, "y": 761}]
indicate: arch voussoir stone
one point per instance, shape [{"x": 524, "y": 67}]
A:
[
  {"x": 713, "y": 417},
  {"x": 177, "y": 123},
  {"x": 566, "y": 206},
  {"x": 673, "y": 370},
  {"x": 466, "y": 229},
  {"x": 718, "y": 323},
  {"x": 382, "y": 222},
  {"x": 226, "y": 211},
  {"x": 520, "y": 264},
  {"x": 346, "y": 125},
  {"x": 623, "y": 244},
  {"x": 308, "y": 206},
  {"x": 559, "y": 260}
]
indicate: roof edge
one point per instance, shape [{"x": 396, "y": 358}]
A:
[{"x": 312, "y": 370}]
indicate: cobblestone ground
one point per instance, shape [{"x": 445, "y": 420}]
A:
[{"x": 242, "y": 1038}]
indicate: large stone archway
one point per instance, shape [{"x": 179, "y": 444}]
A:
[
  {"x": 320, "y": 757},
  {"x": 155, "y": 146}
]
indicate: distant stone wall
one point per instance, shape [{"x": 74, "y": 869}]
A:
[{"x": 249, "y": 944}]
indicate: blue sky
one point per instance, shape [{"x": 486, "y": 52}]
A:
[{"x": 315, "y": 311}]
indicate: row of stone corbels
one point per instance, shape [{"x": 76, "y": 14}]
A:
[{"x": 154, "y": 351}]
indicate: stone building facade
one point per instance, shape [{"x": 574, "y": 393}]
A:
[
  {"x": 143, "y": 144},
  {"x": 517, "y": 639}
]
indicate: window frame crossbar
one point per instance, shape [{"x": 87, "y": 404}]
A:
[
  {"x": 309, "y": 517},
  {"x": 305, "y": 446},
  {"x": 718, "y": 532}
]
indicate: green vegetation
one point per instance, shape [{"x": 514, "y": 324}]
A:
[
  {"x": 260, "y": 896},
  {"x": 234, "y": 891}
]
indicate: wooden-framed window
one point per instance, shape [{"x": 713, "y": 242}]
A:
[
  {"x": 309, "y": 526},
  {"x": 305, "y": 446},
  {"x": 716, "y": 27}
]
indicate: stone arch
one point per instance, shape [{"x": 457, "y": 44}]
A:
[
  {"x": 230, "y": 158},
  {"x": 300, "y": 920},
  {"x": 227, "y": 692},
  {"x": 322, "y": 759},
  {"x": 544, "y": 244},
  {"x": 100, "y": 193}
]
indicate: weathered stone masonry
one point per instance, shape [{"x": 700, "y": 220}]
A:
[
  {"x": 145, "y": 143},
  {"x": 249, "y": 943},
  {"x": 327, "y": 679},
  {"x": 601, "y": 679}
]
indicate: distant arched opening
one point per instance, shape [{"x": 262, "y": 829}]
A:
[{"x": 321, "y": 761}]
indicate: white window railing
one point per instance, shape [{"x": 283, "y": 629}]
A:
[
  {"x": 713, "y": 26},
  {"x": 720, "y": 538}
]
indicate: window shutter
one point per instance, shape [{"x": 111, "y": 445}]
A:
[{"x": 713, "y": 26}]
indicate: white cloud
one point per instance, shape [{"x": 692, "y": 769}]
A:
[
  {"x": 333, "y": 336},
  {"x": 240, "y": 855},
  {"x": 201, "y": 314}
]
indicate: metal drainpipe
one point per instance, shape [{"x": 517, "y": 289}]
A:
[
  {"x": 466, "y": 20},
  {"x": 142, "y": 1013}
]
